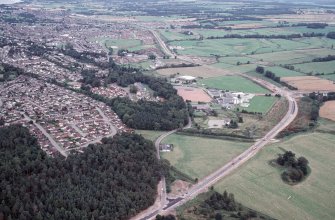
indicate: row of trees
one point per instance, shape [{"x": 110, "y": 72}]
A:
[
  {"x": 331, "y": 35},
  {"x": 311, "y": 25},
  {"x": 112, "y": 180},
  {"x": 324, "y": 59},
  {"x": 269, "y": 74},
  {"x": 296, "y": 169},
  {"x": 272, "y": 36}
]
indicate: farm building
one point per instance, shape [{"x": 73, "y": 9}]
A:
[
  {"x": 186, "y": 79},
  {"x": 165, "y": 147}
]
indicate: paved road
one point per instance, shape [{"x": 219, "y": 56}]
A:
[
  {"x": 52, "y": 141},
  {"x": 162, "y": 44}
]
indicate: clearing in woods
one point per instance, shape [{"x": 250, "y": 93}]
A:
[{"x": 260, "y": 186}]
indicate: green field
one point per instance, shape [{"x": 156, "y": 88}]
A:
[
  {"x": 283, "y": 72},
  {"x": 260, "y": 104},
  {"x": 238, "y": 47},
  {"x": 293, "y": 57},
  {"x": 130, "y": 44},
  {"x": 173, "y": 35},
  {"x": 330, "y": 77},
  {"x": 150, "y": 135},
  {"x": 233, "y": 83},
  {"x": 316, "y": 67},
  {"x": 198, "y": 157},
  {"x": 259, "y": 186}
]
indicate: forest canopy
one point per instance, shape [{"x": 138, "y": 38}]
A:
[{"x": 112, "y": 180}]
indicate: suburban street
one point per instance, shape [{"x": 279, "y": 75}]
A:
[{"x": 52, "y": 141}]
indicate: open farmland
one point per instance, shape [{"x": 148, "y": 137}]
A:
[
  {"x": 235, "y": 47},
  {"x": 233, "y": 83},
  {"x": 260, "y": 186},
  {"x": 198, "y": 71},
  {"x": 170, "y": 35},
  {"x": 310, "y": 83},
  {"x": 293, "y": 56},
  {"x": 316, "y": 67},
  {"x": 327, "y": 110},
  {"x": 198, "y": 157},
  {"x": 260, "y": 104},
  {"x": 283, "y": 72},
  {"x": 193, "y": 94}
]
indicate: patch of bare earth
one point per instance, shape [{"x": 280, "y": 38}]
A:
[
  {"x": 328, "y": 110},
  {"x": 193, "y": 94},
  {"x": 178, "y": 188}
]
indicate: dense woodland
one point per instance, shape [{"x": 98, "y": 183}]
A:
[
  {"x": 222, "y": 206},
  {"x": 169, "y": 113},
  {"x": 295, "y": 169},
  {"x": 112, "y": 180}
]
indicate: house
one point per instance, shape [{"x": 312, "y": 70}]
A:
[{"x": 165, "y": 147}]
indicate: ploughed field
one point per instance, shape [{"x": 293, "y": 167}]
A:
[{"x": 327, "y": 110}]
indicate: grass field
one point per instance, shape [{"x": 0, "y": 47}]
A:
[
  {"x": 130, "y": 44},
  {"x": 293, "y": 56},
  {"x": 198, "y": 71},
  {"x": 198, "y": 157},
  {"x": 150, "y": 135},
  {"x": 237, "y": 47},
  {"x": 259, "y": 186},
  {"x": 260, "y": 104},
  {"x": 282, "y": 72},
  {"x": 174, "y": 35},
  {"x": 233, "y": 83},
  {"x": 316, "y": 67},
  {"x": 330, "y": 77}
]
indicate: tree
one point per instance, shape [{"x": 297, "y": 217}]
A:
[
  {"x": 152, "y": 57},
  {"x": 260, "y": 69},
  {"x": 218, "y": 216},
  {"x": 133, "y": 89}
]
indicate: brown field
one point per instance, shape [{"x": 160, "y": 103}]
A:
[
  {"x": 310, "y": 83},
  {"x": 328, "y": 110},
  {"x": 193, "y": 94},
  {"x": 198, "y": 71},
  {"x": 328, "y": 18}
]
